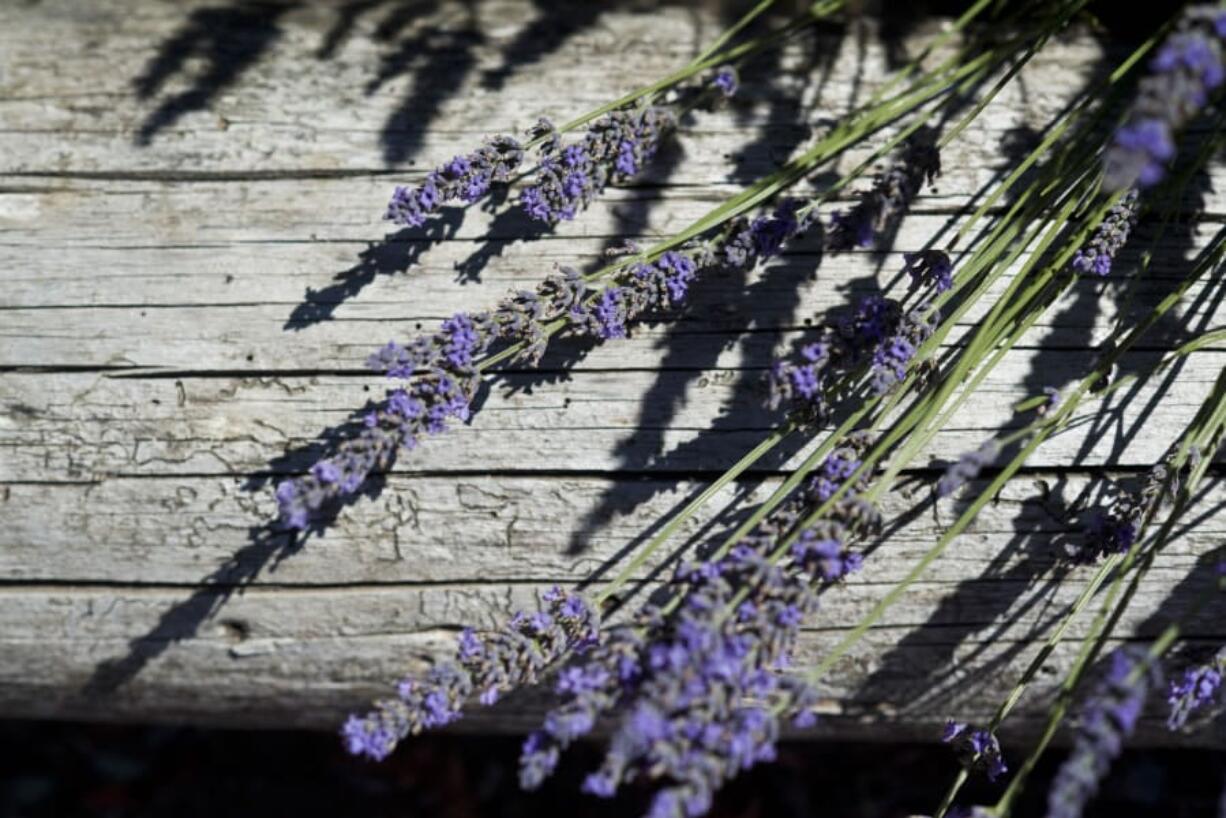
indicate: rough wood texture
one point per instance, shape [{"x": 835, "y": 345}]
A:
[{"x": 194, "y": 269}]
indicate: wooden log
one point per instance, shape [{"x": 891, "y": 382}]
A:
[{"x": 194, "y": 270}]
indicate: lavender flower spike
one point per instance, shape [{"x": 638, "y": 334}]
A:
[
  {"x": 878, "y": 334},
  {"x": 880, "y": 209},
  {"x": 1197, "y": 688},
  {"x": 618, "y": 145},
  {"x": 1183, "y": 73},
  {"x": 1098, "y": 253},
  {"x": 976, "y": 747},
  {"x": 442, "y": 370},
  {"x": 465, "y": 177},
  {"x": 1107, "y": 719},
  {"x": 489, "y": 667},
  {"x": 682, "y": 679}
]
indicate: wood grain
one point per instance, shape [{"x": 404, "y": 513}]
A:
[{"x": 194, "y": 268}]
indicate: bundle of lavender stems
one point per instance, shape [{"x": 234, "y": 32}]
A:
[{"x": 698, "y": 683}]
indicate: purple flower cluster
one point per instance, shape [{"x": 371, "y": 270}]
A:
[
  {"x": 442, "y": 371},
  {"x": 967, "y": 468},
  {"x": 684, "y": 677},
  {"x": 1183, "y": 73},
  {"x": 616, "y": 146},
  {"x": 1198, "y": 687},
  {"x": 1099, "y": 252},
  {"x": 1116, "y": 529},
  {"x": 726, "y": 80},
  {"x": 465, "y": 177},
  {"x": 929, "y": 269},
  {"x": 878, "y": 334},
  {"x": 1107, "y": 718},
  {"x": 880, "y": 208},
  {"x": 489, "y": 666},
  {"x": 666, "y": 282},
  {"x": 977, "y": 749},
  {"x": 442, "y": 378}
]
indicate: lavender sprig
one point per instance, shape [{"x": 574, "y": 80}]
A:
[
  {"x": 1198, "y": 687},
  {"x": 616, "y": 146},
  {"x": 682, "y": 677},
  {"x": 465, "y": 177},
  {"x": 1183, "y": 73},
  {"x": 1099, "y": 252},
  {"x": 976, "y": 747},
  {"x": 879, "y": 336},
  {"x": 442, "y": 371},
  {"x": 489, "y": 666},
  {"x": 1114, "y": 530},
  {"x": 1108, "y": 717},
  {"x": 881, "y": 207}
]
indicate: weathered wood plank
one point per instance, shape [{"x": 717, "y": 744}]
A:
[
  {"x": 305, "y": 656},
  {"x": 135, "y": 581},
  {"x": 280, "y": 106},
  {"x": 439, "y": 529},
  {"x": 83, "y": 426}
]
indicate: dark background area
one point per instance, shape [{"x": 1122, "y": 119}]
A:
[{"x": 53, "y": 769}]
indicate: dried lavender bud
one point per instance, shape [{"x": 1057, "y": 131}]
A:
[
  {"x": 489, "y": 666},
  {"x": 726, "y": 80},
  {"x": 878, "y": 334},
  {"x": 1199, "y": 686},
  {"x": 1183, "y": 72},
  {"x": 443, "y": 379},
  {"x": 665, "y": 283},
  {"x": 1098, "y": 253},
  {"x": 967, "y": 468},
  {"x": 881, "y": 208},
  {"x": 977, "y": 749},
  {"x": 930, "y": 268},
  {"x": 1108, "y": 717},
  {"x": 467, "y": 178},
  {"x": 616, "y": 146}
]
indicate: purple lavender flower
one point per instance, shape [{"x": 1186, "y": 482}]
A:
[
  {"x": 1199, "y": 686},
  {"x": 442, "y": 371},
  {"x": 1099, "y": 252},
  {"x": 1108, "y": 717},
  {"x": 1053, "y": 402},
  {"x": 878, "y": 334},
  {"x": 977, "y": 748},
  {"x": 930, "y": 268},
  {"x": 680, "y": 677},
  {"x": 967, "y": 468},
  {"x": 616, "y": 146},
  {"x": 726, "y": 80},
  {"x": 1183, "y": 73},
  {"x": 465, "y": 177},
  {"x": 1115, "y": 530},
  {"x": 880, "y": 209},
  {"x": 665, "y": 283},
  {"x": 489, "y": 667}
]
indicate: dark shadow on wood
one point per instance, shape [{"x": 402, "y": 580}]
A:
[
  {"x": 267, "y": 546},
  {"x": 394, "y": 254},
  {"x": 229, "y": 39}
]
